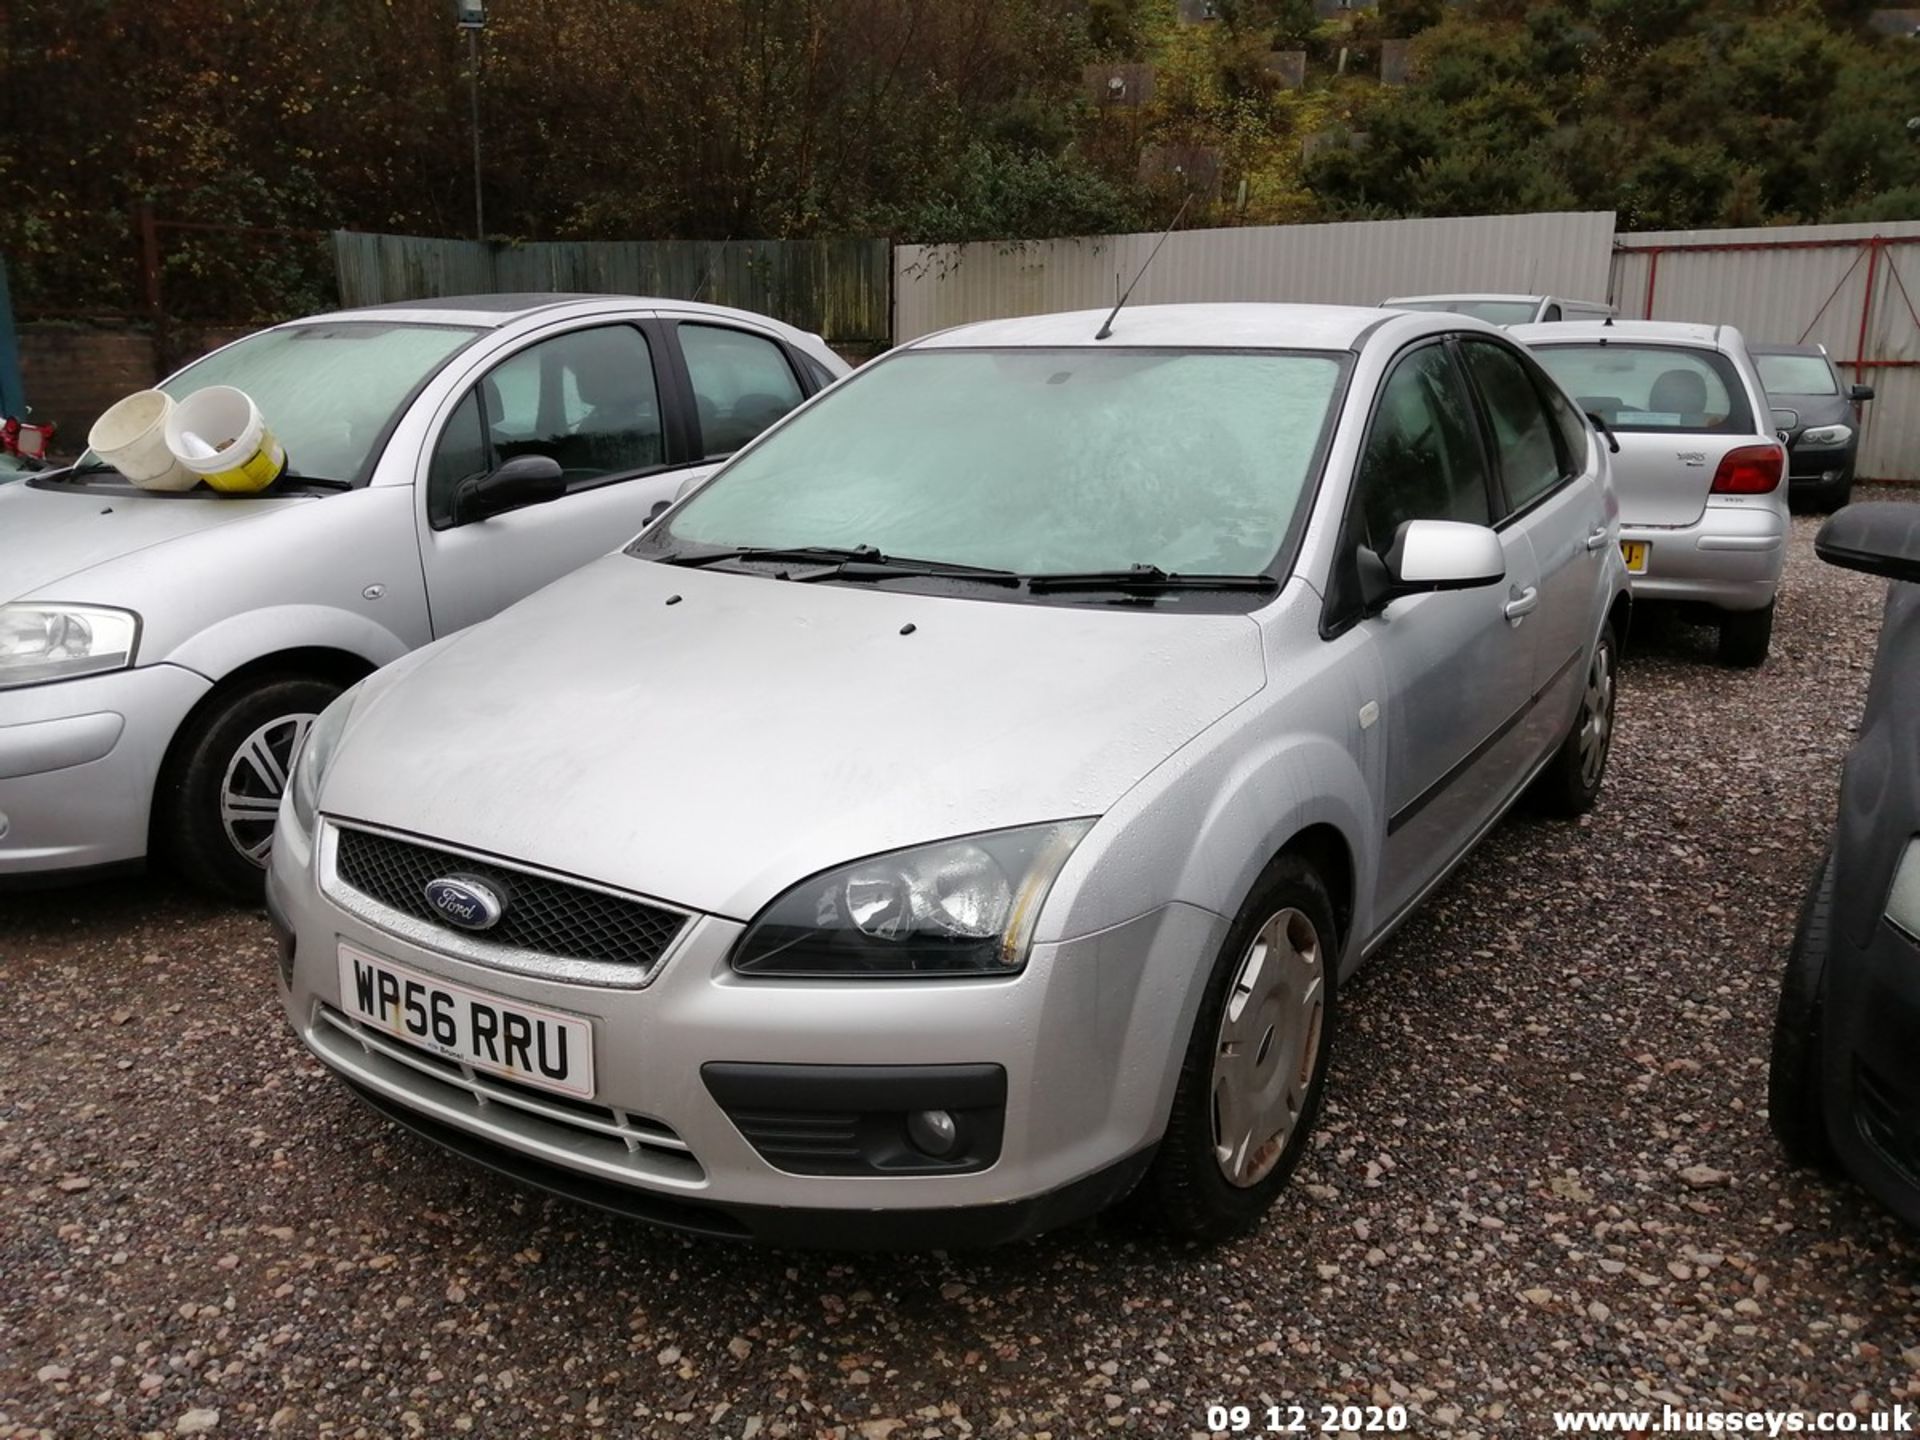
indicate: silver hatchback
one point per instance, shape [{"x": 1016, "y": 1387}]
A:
[
  {"x": 964, "y": 808},
  {"x": 1701, "y": 473}
]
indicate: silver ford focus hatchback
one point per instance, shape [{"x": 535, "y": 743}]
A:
[{"x": 962, "y": 810}]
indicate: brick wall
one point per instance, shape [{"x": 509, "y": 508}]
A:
[{"x": 73, "y": 372}]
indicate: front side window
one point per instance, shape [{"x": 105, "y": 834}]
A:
[
  {"x": 1530, "y": 459},
  {"x": 1422, "y": 459},
  {"x": 1652, "y": 388},
  {"x": 1797, "y": 375},
  {"x": 586, "y": 400},
  {"x": 741, "y": 384},
  {"x": 1038, "y": 461}
]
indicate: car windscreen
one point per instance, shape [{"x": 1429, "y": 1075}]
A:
[
  {"x": 1796, "y": 375},
  {"x": 1494, "y": 312},
  {"x": 1038, "y": 461},
  {"x": 1652, "y": 387},
  {"x": 329, "y": 392}
]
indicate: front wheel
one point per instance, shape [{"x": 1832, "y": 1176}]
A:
[
  {"x": 1745, "y": 636},
  {"x": 1570, "y": 784},
  {"x": 1256, "y": 1063},
  {"x": 221, "y": 789}
]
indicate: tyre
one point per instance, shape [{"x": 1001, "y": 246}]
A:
[
  {"x": 1795, "y": 1100},
  {"x": 1570, "y": 784},
  {"x": 1256, "y": 1064},
  {"x": 221, "y": 786},
  {"x": 1745, "y": 636}
]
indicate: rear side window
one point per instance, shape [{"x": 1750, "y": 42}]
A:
[
  {"x": 1531, "y": 462},
  {"x": 1652, "y": 388},
  {"x": 1422, "y": 459},
  {"x": 741, "y": 384}
]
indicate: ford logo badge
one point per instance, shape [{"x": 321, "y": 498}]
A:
[{"x": 466, "y": 902}]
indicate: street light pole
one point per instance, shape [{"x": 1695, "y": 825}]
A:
[{"x": 472, "y": 15}]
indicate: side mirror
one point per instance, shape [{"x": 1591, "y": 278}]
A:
[
  {"x": 522, "y": 481},
  {"x": 1429, "y": 555},
  {"x": 1880, "y": 537},
  {"x": 1785, "y": 420},
  {"x": 1860, "y": 394},
  {"x": 692, "y": 483}
]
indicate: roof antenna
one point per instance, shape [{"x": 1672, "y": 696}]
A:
[{"x": 1106, "y": 327}]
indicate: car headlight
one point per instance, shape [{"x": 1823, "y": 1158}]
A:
[
  {"x": 316, "y": 755},
  {"x": 1827, "y": 435},
  {"x": 957, "y": 907},
  {"x": 52, "y": 641},
  {"x": 1903, "y": 901}
]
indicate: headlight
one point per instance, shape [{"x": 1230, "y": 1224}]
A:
[
  {"x": 1827, "y": 435},
  {"x": 957, "y": 907},
  {"x": 1903, "y": 901},
  {"x": 57, "y": 642},
  {"x": 316, "y": 755}
]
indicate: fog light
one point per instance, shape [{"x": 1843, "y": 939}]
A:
[{"x": 933, "y": 1132}]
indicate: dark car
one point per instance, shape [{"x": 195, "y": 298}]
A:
[
  {"x": 1821, "y": 418},
  {"x": 1844, "y": 1091}
]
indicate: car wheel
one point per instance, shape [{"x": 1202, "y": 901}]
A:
[
  {"x": 1570, "y": 784},
  {"x": 1256, "y": 1063},
  {"x": 221, "y": 787},
  {"x": 1795, "y": 1107},
  {"x": 1745, "y": 636}
]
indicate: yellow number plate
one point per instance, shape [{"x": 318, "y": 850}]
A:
[{"x": 1635, "y": 552}]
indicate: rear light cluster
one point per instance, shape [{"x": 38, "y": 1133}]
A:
[{"x": 1750, "y": 470}]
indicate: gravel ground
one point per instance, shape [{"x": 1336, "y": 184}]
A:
[{"x": 1544, "y": 1179}]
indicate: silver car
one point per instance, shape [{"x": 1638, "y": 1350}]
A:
[
  {"x": 1507, "y": 310},
  {"x": 964, "y": 808},
  {"x": 1700, "y": 469},
  {"x": 161, "y": 655}
]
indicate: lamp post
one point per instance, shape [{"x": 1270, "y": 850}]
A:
[{"x": 472, "y": 18}]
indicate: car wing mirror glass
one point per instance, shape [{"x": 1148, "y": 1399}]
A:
[
  {"x": 522, "y": 481},
  {"x": 1878, "y": 537},
  {"x": 1785, "y": 420}
]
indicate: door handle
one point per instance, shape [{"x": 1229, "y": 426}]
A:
[
  {"x": 1523, "y": 604},
  {"x": 1597, "y": 538}
]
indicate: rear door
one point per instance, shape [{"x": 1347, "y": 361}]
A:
[
  {"x": 1551, "y": 491},
  {"x": 1675, "y": 409}
]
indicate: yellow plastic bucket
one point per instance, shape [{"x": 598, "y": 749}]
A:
[
  {"x": 131, "y": 437},
  {"x": 218, "y": 433}
]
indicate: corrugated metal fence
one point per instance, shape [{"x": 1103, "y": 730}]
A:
[
  {"x": 1356, "y": 264},
  {"x": 1853, "y": 288},
  {"x": 835, "y": 287}
]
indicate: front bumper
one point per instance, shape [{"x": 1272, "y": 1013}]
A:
[
  {"x": 1730, "y": 558},
  {"x": 1088, "y": 1038},
  {"x": 1821, "y": 466},
  {"x": 1871, "y": 1036},
  {"x": 78, "y": 761}
]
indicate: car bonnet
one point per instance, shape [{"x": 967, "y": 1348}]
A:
[{"x": 710, "y": 739}]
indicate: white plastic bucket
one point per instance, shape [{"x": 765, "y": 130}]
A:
[
  {"x": 219, "y": 435},
  {"x": 131, "y": 437}
]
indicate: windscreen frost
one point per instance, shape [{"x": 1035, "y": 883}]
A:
[{"x": 1038, "y": 461}]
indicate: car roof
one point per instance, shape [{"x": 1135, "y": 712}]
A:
[
  {"x": 1665, "y": 332},
  {"x": 1819, "y": 350},
  {"x": 1468, "y": 295},
  {"x": 491, "y": 312},
  {"x": 1186, "y": 327}
]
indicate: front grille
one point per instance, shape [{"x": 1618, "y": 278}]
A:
[
  {"x": 611, "y": 1137},
  {"x": 543, "y": 916}
]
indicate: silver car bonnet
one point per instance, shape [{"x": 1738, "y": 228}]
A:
[
  {"x": 48, "y": 535},
  {"x": 714, "y": 750}
]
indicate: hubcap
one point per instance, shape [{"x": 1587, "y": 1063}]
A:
[
  {"x": 1268, "y": 1046},
  {"x": 1596, "y": 717},
  {"x": 255, "y": 780}
]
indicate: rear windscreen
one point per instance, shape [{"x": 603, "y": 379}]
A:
[{"x": 1652, "y": 387}]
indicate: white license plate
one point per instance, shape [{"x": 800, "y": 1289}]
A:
[{"x": 536, "y": 1046}]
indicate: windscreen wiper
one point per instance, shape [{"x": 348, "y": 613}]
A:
[
  {"x": 801, "y": 554},
  {"x": 859, "y": 562},
  {"x": 1145, "y": 579}
]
